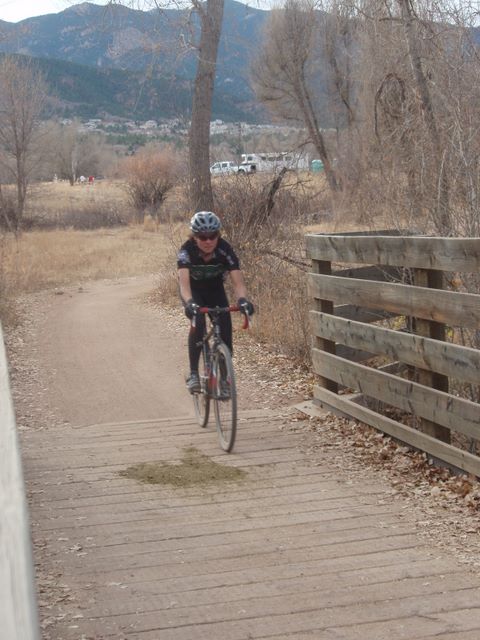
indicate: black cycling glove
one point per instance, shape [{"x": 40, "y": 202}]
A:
[
  {"x": 191, "y": 308},
  {"x": 246, "y": 306}
]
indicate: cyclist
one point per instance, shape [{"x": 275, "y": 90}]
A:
[{"x": 203, "y": 262}]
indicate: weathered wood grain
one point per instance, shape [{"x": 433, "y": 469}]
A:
[
  {"x": 295, "y": 546},
  {"x": 452, "y": 308},
  {"x": 446, "y": 254},
  {"x": 454, "y": 413},
  {"x": 456, "y": 361}
]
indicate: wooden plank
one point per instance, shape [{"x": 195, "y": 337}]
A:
[
  {"x": 18, "y": 611},
  {"x": 446, "y": 254},
  {"x": 461, "y": 363},
  {"x": 440, "y": 450},
  {"x": 454, "y": 413},
  {"x": 452, "y": 308}
]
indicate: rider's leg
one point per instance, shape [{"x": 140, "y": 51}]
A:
[
  {"x": 195, "y": 342},
  {"x": 226, "y": 330}
]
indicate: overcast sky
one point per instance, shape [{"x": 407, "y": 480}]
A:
[{"x": 15, "y": 10}]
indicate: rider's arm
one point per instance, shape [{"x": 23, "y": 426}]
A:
[
  {"x": 238, "y": 284},
  {"x": 184, "y": 283}
]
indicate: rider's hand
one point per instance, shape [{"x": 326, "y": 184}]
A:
[
  {"x": 246, "y": 306},
  {"x": 191, "y": 308}
]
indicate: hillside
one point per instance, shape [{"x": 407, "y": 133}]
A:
[
  {"x": 88, "y": 92},
  {"x": 126, "y": 61}
]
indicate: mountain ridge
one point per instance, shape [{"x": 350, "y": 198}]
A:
[{"x": 149, "y": 42}]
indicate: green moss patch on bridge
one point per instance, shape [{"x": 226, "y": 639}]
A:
[{"x": 194, "y": 469}]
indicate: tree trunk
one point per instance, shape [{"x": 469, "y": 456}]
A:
[
  {"x": 211, "y": 16},
  {"x": 311, "y": 123},
  {"x": 442, "y": 217}
]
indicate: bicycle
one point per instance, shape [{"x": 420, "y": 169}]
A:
[{"x": 217, "y": 379}]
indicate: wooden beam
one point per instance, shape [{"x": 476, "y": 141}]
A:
[
  {"x": 457, "y": 414},
  {"x": 451, "y": 308},
  {"x": 439, "y": 450},
  {"x": 321, "y": 267},
  {"x": 461, "y": 363},
  {"x": 436, "y": 330},
  {"x": 446, "y": 254}
]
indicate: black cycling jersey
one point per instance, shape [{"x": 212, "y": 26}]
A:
[{"x": 207, "y": 275}]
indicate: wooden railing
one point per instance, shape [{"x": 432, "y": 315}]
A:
[
  {"x": 18, "y": 610},
  {"x": 407, "y": 370}
]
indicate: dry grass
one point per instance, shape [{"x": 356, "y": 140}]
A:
[
  {"x": 59, "y": 196},
  {"x": 46, "y": 259}
]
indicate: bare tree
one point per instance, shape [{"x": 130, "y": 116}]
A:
[
  {"x": 77, "y": 152},
  {"x": 22, "y": 98},
  {"x": 282, "y": 74},
  {"x": 210, "y": 15},
  {"x": 418, "y": 90},
  {"x": 409, "y": 20}
]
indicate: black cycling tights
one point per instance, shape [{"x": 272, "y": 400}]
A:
[{"x": 208, "y": 299}]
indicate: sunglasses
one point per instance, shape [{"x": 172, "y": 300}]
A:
[{"x": 206, "y": 236}]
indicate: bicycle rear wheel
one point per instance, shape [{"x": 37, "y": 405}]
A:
[
  {"x": 225, "y": 398},
  {"x": 201, "y": 401}
]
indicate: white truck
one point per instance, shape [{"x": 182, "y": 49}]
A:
[
  {"x": 253, "y": 162},
  {"x": 226, "y": 167}
]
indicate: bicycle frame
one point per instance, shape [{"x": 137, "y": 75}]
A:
[{"x": 214, "y": 331}]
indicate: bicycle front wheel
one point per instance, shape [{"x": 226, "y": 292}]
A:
[
  {"x": 225, "y": 397},
  {"x": 201, "y": 400}
]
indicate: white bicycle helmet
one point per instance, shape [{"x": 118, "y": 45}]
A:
[{"x": 205, "y": 222}]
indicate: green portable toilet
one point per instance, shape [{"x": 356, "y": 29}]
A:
[{"x": 317, "y": 165}]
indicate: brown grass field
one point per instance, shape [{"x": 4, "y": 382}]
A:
[{"x": 56, "y": 197}]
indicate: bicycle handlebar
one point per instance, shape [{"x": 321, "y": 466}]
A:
[{"x": 229, "y": 309}]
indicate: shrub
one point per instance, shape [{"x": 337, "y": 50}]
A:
[
  {"x": 263, "y": 219},
  {"x": 149, "y": 176}
]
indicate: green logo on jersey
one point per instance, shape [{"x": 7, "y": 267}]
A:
[{"x": 206, "y": 271}]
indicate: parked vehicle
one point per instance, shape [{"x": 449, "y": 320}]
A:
[
  {"x": 225, "y": 167},
  {"x": 253, "y": 162}
]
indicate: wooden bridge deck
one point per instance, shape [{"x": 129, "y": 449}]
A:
[{"x": 291, "y": 551}]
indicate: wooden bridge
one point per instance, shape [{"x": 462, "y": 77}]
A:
[{"x": 293, "y": 549}]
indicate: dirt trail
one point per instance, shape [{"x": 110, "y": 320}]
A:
[{"x": 107, "y": 357}]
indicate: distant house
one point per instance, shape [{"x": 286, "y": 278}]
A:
[{"x": 218, "y": 126}]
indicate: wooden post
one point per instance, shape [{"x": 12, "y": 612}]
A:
[
  {"x": 324, "y": 267},
  {"x": 432, "y": 279}
]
